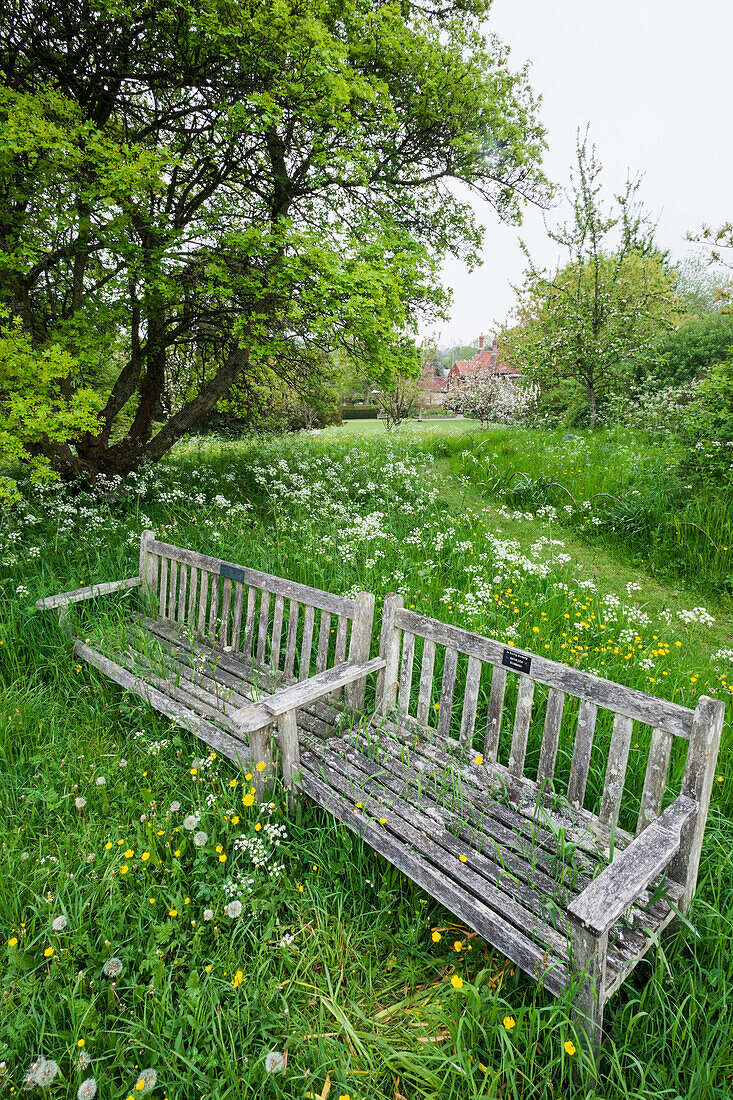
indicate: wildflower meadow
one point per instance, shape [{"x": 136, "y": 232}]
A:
[{"x": 165, "y": 933}]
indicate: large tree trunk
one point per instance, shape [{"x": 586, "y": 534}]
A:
[{"x": 592, "y": 412}]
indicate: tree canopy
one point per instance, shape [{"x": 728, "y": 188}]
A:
[{"x": 197, "y": 193}]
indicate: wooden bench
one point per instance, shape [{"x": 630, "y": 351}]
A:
[
  {"x": 485, "y": 809},
  {"x": 209, "y": 637},
  {"x": 470, "y": 774}
]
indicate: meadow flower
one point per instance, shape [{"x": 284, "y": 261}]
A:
[
  {"x": 569, "y": 1048},
  {"x": 234, "y": 909},
  {"x": 509, "y": 1022},
  {"x": 49, "y": 952},
  {"x": 80, "y": 803},
  {"x": 200, "y": 838},
  {"x": 238, "y": 979},
  {"x": 43, "y": 1072},
  {"x": 456, "y": 982},
  {"x": 175, "y": 807},
  {"x": 275, "y": 1062},
  {"x": 436, "y": 937},
  {"x": 112, "y": 968},
  {"x": 146, "y": 1082},
  {"x": 208, "y": 914},
  {"x": 59, "y": 924},
  {"x": 190, "y": 822},
  {"x": 101, "y": 781},
  {"x": 87, "y": 1089},
  {"x": 83, "y": 1060}
]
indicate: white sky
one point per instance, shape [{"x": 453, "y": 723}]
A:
[{"x": 654, "y": 80}]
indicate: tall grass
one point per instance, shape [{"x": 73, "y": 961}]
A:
[{"x": 360, "y": 997}]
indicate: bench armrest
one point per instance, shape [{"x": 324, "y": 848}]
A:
[
  {"x": 63, "y": 599},
  {"x": 265, "y": 711},
  {"x": 608, "y": 896}
]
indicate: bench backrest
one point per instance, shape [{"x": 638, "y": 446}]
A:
[
  {"x": 481, "y": 676},
  {"x": 291, "y": 629}
]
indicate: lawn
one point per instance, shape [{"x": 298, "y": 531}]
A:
[{"x": 132, "y": 947}]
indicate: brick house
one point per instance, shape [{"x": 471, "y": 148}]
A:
[{"x": 485, "y": 359}]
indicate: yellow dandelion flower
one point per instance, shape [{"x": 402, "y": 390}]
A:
[
  {"x": 479, "y": 760},
  {"x": 315, "y": 866},
  {"x": 456, "y": 982},
  {"x": 13, "y": 941},
  {"x": 383, "y": 821},
  {"x": 120, "y": 843},
  {"x": 463, "y": 859},
  {"x": 248, "y": 800},
  {"x": 140, "y": 1085},
  {"x": 720, "y": 778},
  {"x": 172, "y": 912},
  {"x": 260, "y": 765},
  {"x": 108, "y": 845},
  {"x": 124, "y": 869},
  {"x": 509, "y": 1022},
  {"x": 222, "y": 859},
  {"x": 80, "y": 1043},
  {"x": 569, "y": 1048},
  {"x": 194, "y": 771},
  {"x": 129, "y": 853},
  {"x": 151, "y": 901},
  {"x": 177, "y": 853},
  {"x": 248, "y": 776},
  {"x": 207, "y": 969},
  {"x": 235, "y": 819},
  {"x": 436, "y": 937},
  {"x": 258, "y": 826},
  {"x": 233, "y": 782},
  {"x": 300, "y": 891},
  {"x": 49, "y": 952},
  {"x": 219, "y": 848},
  {"x": 186, "y": 901},
  {"x": 457, "y": 945},
  {"x": 145, "y": 857},
  {"x": 358, "y": 806}
]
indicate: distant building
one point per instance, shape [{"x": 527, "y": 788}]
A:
[{"x": 485, "y": 359}]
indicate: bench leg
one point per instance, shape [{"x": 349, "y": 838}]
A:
[
  {"x": 589, "y": 965},
  {"x": 287, "y": 731},
  {"x": 260, "y": 746}
]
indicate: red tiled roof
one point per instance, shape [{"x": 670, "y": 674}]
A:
[{"x": 485, "y": 359}]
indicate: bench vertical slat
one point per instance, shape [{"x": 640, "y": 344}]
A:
[
  {"x": 360, "y": 646},
  {"x": 618, "y": 756},
  {"x": 163, "y": 591},
  {"x": 306, "y": 646},
  {"x": 389, "y": 649},
  {"x": 203, "y": 599},
  {"x": 172, "y": 590},
  {"x": 655, "y": 780},
  {"x": 581, "y": 752},
  {"x": 213, "y": 607},
  {"x": 470, "y": 702},
  {"x": 292, "y": 637},
  {"x": 339, "y": 656},
  {"x": 192, "y": 593},
  {"x": 277, "y": 631},
  {"x": 237, "y": 615},
  {"x": 496, "y": 710},
  {"x": 226, "y": 603},
  {"x": 249, "y": 623},
  {"x": 182, "y": 590},
  {"x": 408, "y": 658},
  {"x": 263, "y": 626},
  {"x": 447, "y": 689},
  {"x": 426, "y": 681},
  {"x": 324, "y": 640},
  {"x": 551, "y": 735},
  {"x": 522, "y": 719}
]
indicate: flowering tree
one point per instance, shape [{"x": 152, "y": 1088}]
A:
[
  {"x": 602, "y": 311},
  {"x": 491, "y": 397}
]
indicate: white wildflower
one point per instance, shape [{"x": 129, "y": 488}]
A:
[
  {"x": 149, "y": 1080},
  {"x": 275, "y": 1062},
  {"x": 59, "y": 924},
  {"x": 80, "y": 803},
  {"x": 208, "y": 914},
  {"x": 200, "y": 838},
  {"x": 175, "y": 807},
  {"x": 112, "y": 968},
  {"x": 234, "y": 909},
  {"x": 101, "y": 781},
  {"x": 190, "y": 822},
  {"x": 87, "y": 1089}
]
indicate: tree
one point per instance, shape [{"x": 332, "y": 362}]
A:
[
  {"x": 594, "y": 317},
  {"x": 202, "y": 192},
  {"x": 491, "y": 397}
]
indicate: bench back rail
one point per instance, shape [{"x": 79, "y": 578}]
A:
[
  {"x": 290, "y": 629},
  {"x": 476, "y": 675}
]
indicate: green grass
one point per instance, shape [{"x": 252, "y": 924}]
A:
[{"x": 361, "y": 997}]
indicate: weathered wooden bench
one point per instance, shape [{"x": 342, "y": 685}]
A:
[
  {"x": 574, "y": 896},
  {"x": 210, "y": 636},
  {"x": 470, "y": 774}
]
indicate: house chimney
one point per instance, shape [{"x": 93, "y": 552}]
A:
[{"x": 481, "y": 342}]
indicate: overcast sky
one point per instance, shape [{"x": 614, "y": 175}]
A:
[{"x": 653, "y": 78}]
